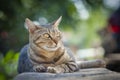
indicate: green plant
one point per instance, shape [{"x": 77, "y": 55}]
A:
[{"x": 8, "y": 65}]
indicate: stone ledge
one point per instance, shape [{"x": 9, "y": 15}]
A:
[{"x": 83, "y": 74}]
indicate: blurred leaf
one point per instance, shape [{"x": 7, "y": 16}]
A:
[
  {"x": 2, "y": 77},
  {"x": 9, "y": 65},
  {"x": 8, "y": 56}
]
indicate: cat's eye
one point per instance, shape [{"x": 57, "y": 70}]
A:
[{"x": 46, "y": 35}]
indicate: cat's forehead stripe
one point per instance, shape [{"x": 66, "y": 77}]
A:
[{"x": 50, "y": 30}]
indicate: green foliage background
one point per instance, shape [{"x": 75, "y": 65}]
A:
[{"x": 13, "y": 35}]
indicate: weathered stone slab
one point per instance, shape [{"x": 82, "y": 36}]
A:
[{"x": 83, "y": 74}]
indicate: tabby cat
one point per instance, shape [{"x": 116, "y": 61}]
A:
[{"x": 46, "y": 51}]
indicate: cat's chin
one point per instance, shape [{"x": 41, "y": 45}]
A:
[{"x": 50, "y": 48}]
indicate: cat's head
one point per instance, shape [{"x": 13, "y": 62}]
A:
[{"x": 47, "y": 37}]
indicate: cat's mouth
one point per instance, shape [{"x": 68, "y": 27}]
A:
[{"x": 50, "y": 48}]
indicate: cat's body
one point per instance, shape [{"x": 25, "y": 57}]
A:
[
  {"x": 45, "y": 51},
  {"x": 25, "y": 65}
]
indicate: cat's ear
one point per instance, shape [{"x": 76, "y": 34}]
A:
[
  {"x": 30, "y": 25},
  {"x": 57, "y": 22}
]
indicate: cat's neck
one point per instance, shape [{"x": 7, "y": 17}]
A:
[{"x": 46, "y": 53}]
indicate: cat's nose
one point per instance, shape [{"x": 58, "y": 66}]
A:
[
  {"x": 56, "y": 42},
  {"x": 53, "y": 45}
]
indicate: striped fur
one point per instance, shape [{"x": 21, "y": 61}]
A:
[{"x": 46, "y": 52}]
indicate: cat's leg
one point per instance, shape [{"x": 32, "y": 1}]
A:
[
  {"x": 64, "y": 68},
  {"x": 39, "y": 68}
]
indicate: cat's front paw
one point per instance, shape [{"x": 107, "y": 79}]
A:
[
  {"x": 39, "y": 68},
  {"x": 53, "y": 70}
]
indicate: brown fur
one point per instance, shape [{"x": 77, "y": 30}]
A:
[{"x": 46, "y": 50}]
